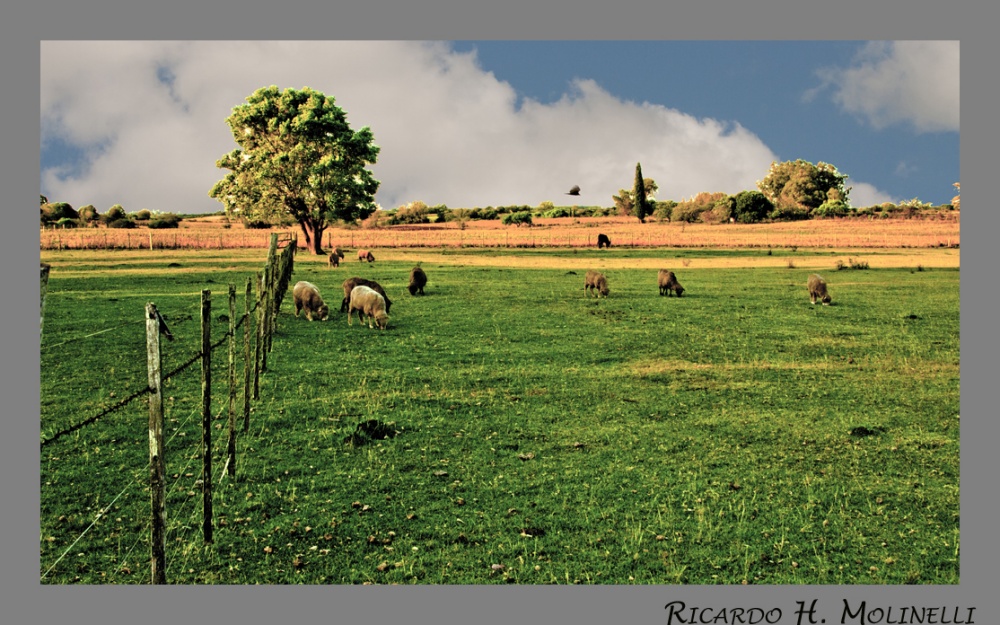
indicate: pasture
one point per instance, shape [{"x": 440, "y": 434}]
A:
[{"x": 735, "y": 435}]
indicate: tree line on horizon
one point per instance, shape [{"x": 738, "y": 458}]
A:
[{"x": 300, "y": 163}]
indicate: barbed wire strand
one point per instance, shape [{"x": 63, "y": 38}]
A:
[
  {"x": 140, "y": 480},
  {"x": 129, "y": 323},
  {"x": 137, "y": 479},
  {"x": 139, "y": 393},
  {"x": 100, "y": 515},
  {"x": 99, "y": 332}
]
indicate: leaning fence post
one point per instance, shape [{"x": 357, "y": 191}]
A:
[
  {"x": 45, "y": 287},
  {"x": 206, "y": 413},
  {"x": 247, "y": 367},
  {"x": 231, "y": 444},
  {"x": 157, "y": 464}
]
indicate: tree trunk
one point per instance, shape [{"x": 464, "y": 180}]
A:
[{"x": 313, "y": 232}]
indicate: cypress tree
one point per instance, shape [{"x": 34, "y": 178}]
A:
[{"x": 640, "y": 204}]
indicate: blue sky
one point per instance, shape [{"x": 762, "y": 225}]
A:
[{"x": 477, "y": 123}]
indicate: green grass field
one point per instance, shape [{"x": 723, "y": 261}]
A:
[{"x": 735, "y": 435}]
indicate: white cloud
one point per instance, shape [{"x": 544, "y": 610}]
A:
[
  {"x": 913, "y": 82},
  {"x": 863, "y": 194},
  {"x": 449, "y": 131}
]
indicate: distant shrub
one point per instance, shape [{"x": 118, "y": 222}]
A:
[
  {"x": 690, "y": 210},
  {"x": 517, "y": 219},
  {"x": 52, "y": 213},
  {"x": 556, "y": 212},
  {"x": 751, "y": 207},
  {"x": 831, "y": 208},
  {"x": 169, "y": 220},
  {"x": 413, "y": 213},
  {"x": 484, "y": 213},
  {"x": 789, "y": 213},
  {"x": 88, "y": 214},
  {"x": 255, "y": 224},
  {"x": 457, "y": 214},
  {"x": 663, "y": 209},
  {"x": 124, "y": 222},
  {"x": 67, "y": 222},
  {"x": 143, "y": 215},
  {"x": 114, "y": 213},
  {"x": 721, "y": 210}
]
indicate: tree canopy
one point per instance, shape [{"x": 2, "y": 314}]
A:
[
  {"x": 297, "y": 156},
  {"x": 801, "y": 185}
]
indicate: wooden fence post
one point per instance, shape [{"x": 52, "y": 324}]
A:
[
  {"x": 45, "y": 287},
  {"x": 206, "y": 413},
  {"x": 265, "y": 315},
  {"x": 258, "y": 336},
  {"x": 231, "y": 444},
  {"x": 157, "y": 464},
  {"x": 247, "y": 367}
]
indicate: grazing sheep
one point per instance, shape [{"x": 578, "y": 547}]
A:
[
  {"x": 603, "y": 241},
  {"x": 370, "y": 304},
  {"x": 595, "y": 280},
  {"x": 307, "y": 298},
  {"x": 335, "y": 256},
  {"x": 364, "y": 255},
  {"x": 349, "y": 285},
  {"x": 668, "y": 282},
  {"x": 418, "y": 280},
  {"x": 817, "y": 288}
]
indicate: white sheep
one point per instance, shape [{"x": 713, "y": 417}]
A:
[{"x": 371, "y": 304}]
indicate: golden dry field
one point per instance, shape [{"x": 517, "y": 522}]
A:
[{"x": 929, "y": 241}]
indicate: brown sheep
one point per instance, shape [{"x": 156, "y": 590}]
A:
[
  {"x": 603, "y": 241},
  {"x": 668, "y": 282},
  {"x": 349, "y": 285},
  {"x": 364, "y": 255},
  {"x": 418, "y": 280},
  {"x": 335, "y": 256},
  {"x": 595, "y": 280},
  {"x": 370, "y": 304},
  {"x": 817, "y": 288},
  {"x": 307, "y": 298}
]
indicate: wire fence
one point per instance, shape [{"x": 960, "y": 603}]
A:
[{"x": 258, "y": 322}]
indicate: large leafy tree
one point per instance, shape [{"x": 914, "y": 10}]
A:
[
  {"x": 297, "y": 156},
  {"x": 801, "y": 185}
]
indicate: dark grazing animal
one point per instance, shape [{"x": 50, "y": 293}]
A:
[
  {"x": 364, "y": 255},
  {"x": 335, "y": 256},
  {"x": 668, "y": 282},
  {"x": 418, "y": 280},
  {"x": 595, "y": 281},
  {"x": 349, "y": 285},
  {"x": 307, "y": 298},
  {"x": 603, "y": 241},
  {"x": 817, "y": 289}
]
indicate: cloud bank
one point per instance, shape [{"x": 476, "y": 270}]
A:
[
  {"x": 149, "y": 118},
  {"x": 901, "y": 82}
]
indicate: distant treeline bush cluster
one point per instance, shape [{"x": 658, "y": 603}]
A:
[
  {"x": 420, "y": 213},
  {"x": 63, "y": 215}
]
